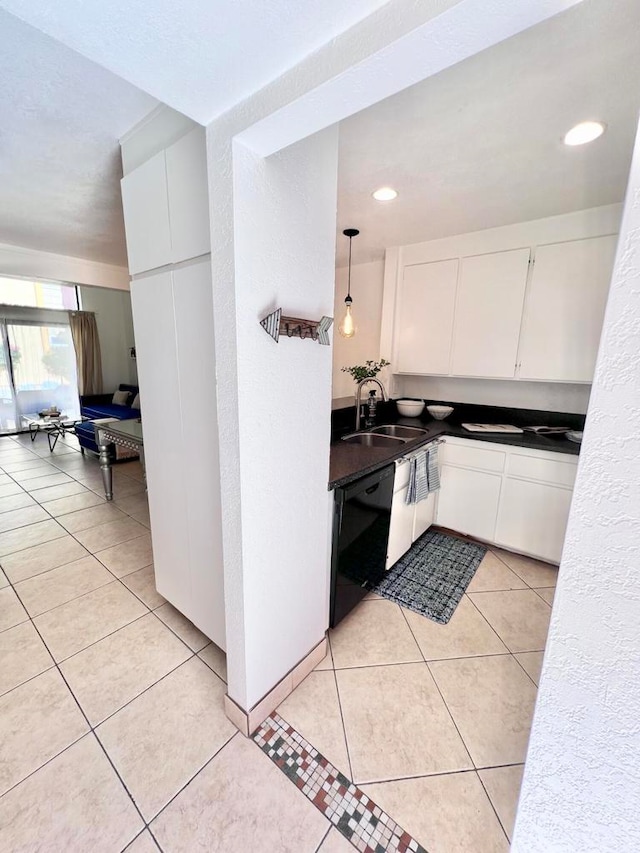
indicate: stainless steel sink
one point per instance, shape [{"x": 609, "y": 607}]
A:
[
  {"x": 400, "y": 431},
  {"x": 370, "y": 439}
]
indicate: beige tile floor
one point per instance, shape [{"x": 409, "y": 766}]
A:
[
  {"x": 433, "y": 721},
  {"x": 113, "y": 731}
]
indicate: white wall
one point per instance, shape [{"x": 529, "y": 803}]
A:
[
  {"x": 402, "y": 43},
  {"x": 284, "y": 257},
  {"x": 582, "y": 779},
  {"x": 29, "y": 263},
  {"x": 548, "y": 396},
  {"x": 115, "y": 328},
  {"x": 366, "y": 291}
]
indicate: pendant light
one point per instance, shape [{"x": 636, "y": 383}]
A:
[{"x": 347, "y": 327}]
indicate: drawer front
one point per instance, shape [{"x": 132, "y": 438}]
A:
[
  {"x": 559, "y": 472},
  {"x": 471, "y": 456}
]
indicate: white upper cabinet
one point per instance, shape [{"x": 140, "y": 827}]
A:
[
  {"x": 145, "y": 205},
  {"x": 166, "y": 206},
  {"x": 188, "y": 196},
  {"x": 564, "y": 309},
  {"x": 523, "y": 301},
  {"x": 488, "y": 314},
  {"x": 425, "y": 319}
]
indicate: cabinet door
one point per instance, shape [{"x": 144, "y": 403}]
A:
[
  {"x": 188, "y": 196},
  {"x": 145, "y": 206},
  {"x": 533, "y": 518},
  {"x": 468, "y": 501},
  {"x": 193, "y": 305},
  {"x": 488, "y": 315},
  {"x": 424, "y": 514},
  {"x": 157, "y": 362},
  {"x": 425, "y": 319},
  {"x": 401, "y": 527},
  {"x": 564, "y": 309}
]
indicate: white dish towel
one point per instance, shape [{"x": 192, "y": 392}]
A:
[{"x": 424, "y": 476}]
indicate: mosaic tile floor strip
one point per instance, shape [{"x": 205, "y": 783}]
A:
[{"x": 356, "y": 816}]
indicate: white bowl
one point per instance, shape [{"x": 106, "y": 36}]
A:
[
  {"x": 410, "y": 408},
  {"x": 439, "y": 412}
]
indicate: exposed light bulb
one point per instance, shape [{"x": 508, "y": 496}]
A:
[
  {"x": 584, "y": 132},
  {"x": 347, "y": 327}
]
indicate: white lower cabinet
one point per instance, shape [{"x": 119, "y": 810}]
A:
[
  {"x": 468, "y": 501},
  {"x": 511, "y": 496},
  {"x": 424, "y": 515},
  {"x": 533, "y": 518},
  {"x": 408, "y": 521},
  {"x": 401, "y": 528}
]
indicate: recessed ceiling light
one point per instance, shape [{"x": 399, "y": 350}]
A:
[
  {"x": 584, "y": 132},
  {"x": 385, "y": 194}
]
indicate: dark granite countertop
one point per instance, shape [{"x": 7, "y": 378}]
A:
[{"x": 351, "y": 461}]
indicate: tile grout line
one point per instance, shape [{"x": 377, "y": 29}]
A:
[
  {"x": 92, "y": 729},
  {"x": 177, "y": 794},
  {"x": 504, "y": 562},
  {"x": 150, "y": 610},
  {"x": 513, "y": 654},
  {"x": 84, "y": 715},
  {"x": 484, "y": 788},
  {"x": 352, "y": 812},
  {"x": 324, "y": 838},
  {"x": 485, "y": 619},
  {"x": 344, "y": 728},
  {"x": 474, "y": 768},
  {"x": 444, "y": 701},
  {"x": 413, "y": 777}
]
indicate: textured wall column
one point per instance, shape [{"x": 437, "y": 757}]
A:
[{"x": 581, "y": 787}]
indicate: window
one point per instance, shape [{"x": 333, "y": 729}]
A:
[{"x": 38, "y": 294}]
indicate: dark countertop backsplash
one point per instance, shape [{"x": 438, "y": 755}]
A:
[
  {"x": 348, "y": 461},
  {"x": 343, "y": 419}
]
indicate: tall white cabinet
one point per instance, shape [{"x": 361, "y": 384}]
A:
[{"x": 165, "y": 202}]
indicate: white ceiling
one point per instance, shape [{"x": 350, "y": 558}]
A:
[
  {"x": 60, "y": 119},
  {"x": 62, "y": 112},
  {"x": 479, "y": 145},
  {"x": 198, "y": 56}
]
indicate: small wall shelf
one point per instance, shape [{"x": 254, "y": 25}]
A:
[{"x": 276, "y": 324}]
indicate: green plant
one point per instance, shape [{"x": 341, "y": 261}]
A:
[{"x": 368, "y": 370}]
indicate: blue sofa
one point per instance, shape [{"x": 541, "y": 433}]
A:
[{"x": 100, "y": 406}]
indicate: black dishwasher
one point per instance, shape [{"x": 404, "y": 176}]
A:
[{"x": 362, "y": 512}]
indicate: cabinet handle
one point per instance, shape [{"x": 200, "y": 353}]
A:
[{"x": 372, "y": 489}]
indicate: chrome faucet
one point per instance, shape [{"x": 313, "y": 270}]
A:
[{"x": 359, "y": 396}]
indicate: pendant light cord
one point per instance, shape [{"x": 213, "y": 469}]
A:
[{"x": 349, "y": 279}]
